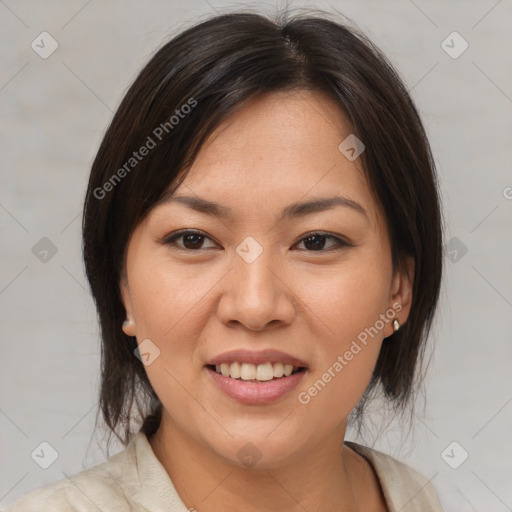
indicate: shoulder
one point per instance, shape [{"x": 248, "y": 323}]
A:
[
  {"x": 102, "y": 487},
  {"x": 404, "y": 488}
]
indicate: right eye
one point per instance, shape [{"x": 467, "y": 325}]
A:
[{"x": 191, "y": 240}]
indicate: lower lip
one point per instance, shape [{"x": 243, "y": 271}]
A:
[{"x": 256, "y": 393}]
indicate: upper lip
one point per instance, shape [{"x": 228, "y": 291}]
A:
[{"x": 259, "y": 357}]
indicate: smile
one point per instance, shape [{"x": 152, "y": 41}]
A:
[
  {"x": 252, "y": 372},
  {"x": 256, "y": 372},
  {"x": 253, "y": 391}
]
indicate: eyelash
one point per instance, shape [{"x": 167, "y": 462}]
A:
[{"x": 171, "y": 240}]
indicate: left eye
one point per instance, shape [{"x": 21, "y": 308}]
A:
[
  {"x": 193, "y": 240},
  {"x": 316, "y": 241}
]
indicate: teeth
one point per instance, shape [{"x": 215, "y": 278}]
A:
[
  {"x": 261, "y": 372},
  {"x": 264, "y": 372},
  {"x": 278, "y": 370},
  {"x": 224, "y": 368},
  {"x": 235, "y": 370},
  {"x": 288, "y": 369},
  {"x": 248, "y": 371}
]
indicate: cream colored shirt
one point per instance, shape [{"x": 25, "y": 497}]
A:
[{"x": 134, "y": 480}]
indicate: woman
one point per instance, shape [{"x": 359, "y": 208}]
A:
[{"x": 262, "y": 236}]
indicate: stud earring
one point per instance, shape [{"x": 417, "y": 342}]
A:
[
  {"x": 396, "y": 325},
  {"x": 128, "y": 327}
]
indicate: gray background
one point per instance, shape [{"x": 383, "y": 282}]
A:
[{"x": 54, "y": 112}]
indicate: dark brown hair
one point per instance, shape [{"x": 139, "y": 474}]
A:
[{"x": 190, "y": 86}]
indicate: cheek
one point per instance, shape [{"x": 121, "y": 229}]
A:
[
  {"x": 347, "y": 307},
  {"x": 349, "y": 298},
  {"x": 168, "y": 310},
  {"x": 172, "y": 306},
  {"x": 166, "y": 296}
]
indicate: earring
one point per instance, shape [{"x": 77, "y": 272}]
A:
[
  {"x": 396, "y": 325},
  {"x": 128, "y": 327}
]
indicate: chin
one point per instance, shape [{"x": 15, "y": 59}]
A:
[{"x": 257, "y": 450}]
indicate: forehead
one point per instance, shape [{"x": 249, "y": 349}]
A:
[{"x": 277, "y": 149}]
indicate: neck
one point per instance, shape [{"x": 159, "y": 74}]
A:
[{"x": 322, "y": 479}]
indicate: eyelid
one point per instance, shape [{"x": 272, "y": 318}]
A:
[
  {"x": 176, "y": 235},
  {"x": 340, "y": 241}
]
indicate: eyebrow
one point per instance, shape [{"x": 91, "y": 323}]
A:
[{"x": 299, "y": 209}]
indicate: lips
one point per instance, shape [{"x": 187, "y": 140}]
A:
[
  {"x": 256, "y": 378},
  {"x": 253, "y": 392},
  {"x": 257, "y": 358}
]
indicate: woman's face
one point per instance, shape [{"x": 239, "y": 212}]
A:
[{"x": 266, "y": 281}]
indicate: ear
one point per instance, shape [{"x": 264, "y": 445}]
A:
[
  {"x": 401, "y": 294},
  {"x": 129, "y": 324}
]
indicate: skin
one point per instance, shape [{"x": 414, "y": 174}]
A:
[{"x": 195, "y": 304}]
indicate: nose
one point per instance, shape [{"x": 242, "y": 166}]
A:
[{"x": 257, "y": 295}]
